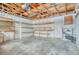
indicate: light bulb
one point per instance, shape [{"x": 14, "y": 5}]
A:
[{"x": 25, "y": 6}]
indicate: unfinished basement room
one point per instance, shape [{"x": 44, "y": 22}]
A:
[{"x": 39, "y": 29}]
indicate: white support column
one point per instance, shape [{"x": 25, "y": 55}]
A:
[
  {"x": 77, "y": 24},
  {"x": 20, "y": 29}
]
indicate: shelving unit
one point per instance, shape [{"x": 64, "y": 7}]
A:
[
  {"x": 43, "y": 29},
  {"x": 7, "y": 25},
  {"x": 26, "y": 29},
  {"x": 1, "y": 38}
]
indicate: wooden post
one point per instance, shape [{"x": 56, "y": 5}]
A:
[{"x": 14, "y": 30}]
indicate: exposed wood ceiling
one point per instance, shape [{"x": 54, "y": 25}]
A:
[{"x": 37, "y": 10}]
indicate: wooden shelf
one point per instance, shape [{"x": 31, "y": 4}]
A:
[
  {"x": 7, "y": 25},
  {"x": 24, "y": 23},
  {"x": 28, "y": 27},
  {"x": 42, "y": 27},
  {"x": 42, "y": 33},
  {"x": 44, "y": 23},
  {"x": 24, "y": 27},
  {"x": 43, "y": 30},
  {"x": 27, "y": 32}
]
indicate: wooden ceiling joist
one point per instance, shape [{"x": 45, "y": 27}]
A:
[{"x": 37, "y": 10}]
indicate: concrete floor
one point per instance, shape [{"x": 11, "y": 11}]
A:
[{"x": 39, "y": 46}]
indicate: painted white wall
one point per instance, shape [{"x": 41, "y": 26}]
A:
[
  {"x": 59, "y": 24},
  {"x": 77, "y": 28},
  {"x": 57, "y": 33}
]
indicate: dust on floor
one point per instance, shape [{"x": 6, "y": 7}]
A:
[{"x": 38, "y": 46}]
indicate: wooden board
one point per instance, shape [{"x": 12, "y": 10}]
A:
[
  {"x": 7, "y": 25},
  {"x": 1, "y": 38},
  {"x": 68, "y": 20}
]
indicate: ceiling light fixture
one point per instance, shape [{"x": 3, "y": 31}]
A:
[{"x": 25, "y": 6}]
